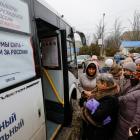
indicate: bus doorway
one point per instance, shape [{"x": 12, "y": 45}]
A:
[{"x": 53, "y": 84}]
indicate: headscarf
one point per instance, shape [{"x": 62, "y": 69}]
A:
[{"x": 93, "y": 65}]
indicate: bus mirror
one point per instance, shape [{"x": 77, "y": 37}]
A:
[{"x": 83, "y": 38}]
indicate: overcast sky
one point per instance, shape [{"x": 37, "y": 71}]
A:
[{"x": 84, "y": 15}]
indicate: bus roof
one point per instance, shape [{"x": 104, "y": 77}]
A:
[{"x": 44, "y": 3}]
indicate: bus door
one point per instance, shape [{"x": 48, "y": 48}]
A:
[
  {"x": 70, "y": 71},
  {"x": 53, "y": 84}
]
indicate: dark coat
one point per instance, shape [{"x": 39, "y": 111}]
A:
[
  {"x": 129, "y": 115},
  {"x": 108, "y": 107}
]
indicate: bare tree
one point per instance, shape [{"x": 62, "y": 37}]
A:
[
  {"x": 114, "y": 37},
  {"x": 113, "y": 42},
  {"x": 134, "y": 33},
  {"x": 98, "y": 33},
  {"x": 88, "y": 40},
  {"x": 117, "y": 31},
  {"x": 135, "y": 25}
]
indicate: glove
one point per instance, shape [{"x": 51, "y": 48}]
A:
[
  {"x": 92, "y": 105},
  {"x": 107, "y": 120}
]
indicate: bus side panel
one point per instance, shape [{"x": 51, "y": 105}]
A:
[
  {"x": 22, "y": 112},
  {"x": 40, "y": 134}
]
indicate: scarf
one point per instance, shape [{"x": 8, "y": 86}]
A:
[{"x": 100, "y": 93}]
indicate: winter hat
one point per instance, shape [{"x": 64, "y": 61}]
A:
[
  {"x": 94, "y": 57},
  {"x": 137, "y": 61},
  {"x": 91, "y": 65},
  {"x": 109, "y": 62},
  {"x": 130, "y": 66},
  {"x": 115, "y": 69}
]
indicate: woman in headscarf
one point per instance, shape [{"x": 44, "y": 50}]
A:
[{"x": 87, "y": 81}]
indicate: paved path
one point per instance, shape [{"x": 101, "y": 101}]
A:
[{"x": 73, "y": 132}]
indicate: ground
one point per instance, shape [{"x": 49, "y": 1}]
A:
[{"x": 73, "y": 132}]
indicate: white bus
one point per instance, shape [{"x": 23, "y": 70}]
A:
[{"x": 38, "y": 70}]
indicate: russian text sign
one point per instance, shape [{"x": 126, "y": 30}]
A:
[
  {"x": 14, "y": 14},
  {"x": 16, "y": 59}
]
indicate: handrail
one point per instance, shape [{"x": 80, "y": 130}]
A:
[{"x": 53, "y": 87}]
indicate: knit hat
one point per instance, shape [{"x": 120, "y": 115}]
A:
[
  {"x": 137, "y": 61},
  {"x": 94, "y": 57},
  {"x": 115, "y": 69},
  {"x": 91, "y": 65},
  {"x": 109, "y": 62},
  {"x": 130, "y": 66}
]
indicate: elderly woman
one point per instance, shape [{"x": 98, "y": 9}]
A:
[
  {"x": 100, "y": 111},
  {"x": 129, "y": 104},
  {"x": 129, "y": 69}
]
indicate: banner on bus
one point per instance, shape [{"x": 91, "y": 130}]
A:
[
  {"x": 14, "y": 14},
  {"x": 22, "y": 112},
  {"x": 16, "y": 59}
]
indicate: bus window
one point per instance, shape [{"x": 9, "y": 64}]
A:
[
  {"x": 70, "y": 53},
  {"x": 50, "y": 52},
  {"x": 71, "y": 59}
]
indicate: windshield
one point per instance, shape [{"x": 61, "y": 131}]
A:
[{"x": 83, "y": 56}]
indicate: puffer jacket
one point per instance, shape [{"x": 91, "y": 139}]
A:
[
  {"x": 125, "y": 85},
  {"x": 129, "y": 115},
  {"x": 87, "y": 83}
]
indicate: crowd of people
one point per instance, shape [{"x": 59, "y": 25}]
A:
[{"x": 110, "y": 100}]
